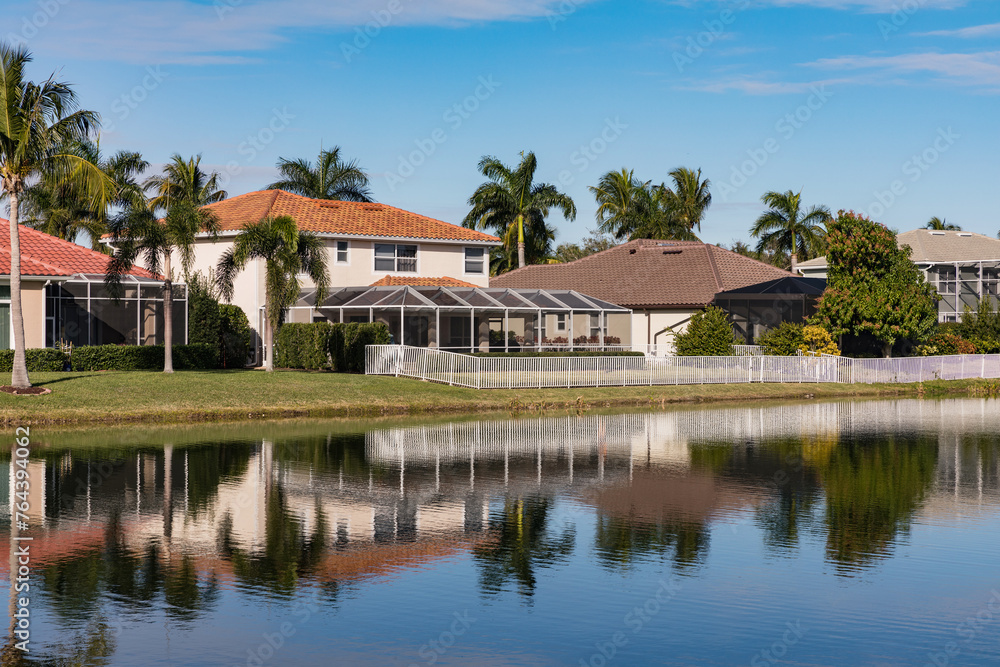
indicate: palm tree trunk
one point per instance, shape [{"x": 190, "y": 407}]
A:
[
  {"x": 520, "y": 241},
  {"x": 19, "y": 376},
  {"x": 269, "y": 341},
  {"x": 168, "y": 317}
]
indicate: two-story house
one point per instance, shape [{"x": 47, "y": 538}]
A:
[{"x": 368, "y": 244}]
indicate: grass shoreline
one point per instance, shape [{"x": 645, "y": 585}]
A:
[{"x": 206, "y": 396}]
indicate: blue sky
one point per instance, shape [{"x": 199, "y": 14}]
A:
[{"x": 884, "y": 106}]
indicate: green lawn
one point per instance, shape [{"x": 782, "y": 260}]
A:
[{"x": 102, "y": 397}]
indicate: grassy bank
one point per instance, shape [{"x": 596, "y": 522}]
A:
[{"x": 117, "y": 397}]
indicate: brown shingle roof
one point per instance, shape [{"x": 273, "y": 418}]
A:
[
  {"x": 399, "y": 281},
  {"x": 648, "y": 274},
  {"x": 45, "y": 255},
  {"x": 338, "y": 217}
]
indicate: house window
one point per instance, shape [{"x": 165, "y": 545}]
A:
[
  {"x": 474, "y": 260},
  {"x": 392, "y": 257},
  {"x": 341, "y": 252},
  {"x": 561, "y": 322},
  {"x": 947, "y": 280}
]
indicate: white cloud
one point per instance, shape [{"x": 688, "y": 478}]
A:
[
  {"x": 972, "y": 32},
  {"x": 967, "y": 69},
  {"x": 179, "y": 31}
]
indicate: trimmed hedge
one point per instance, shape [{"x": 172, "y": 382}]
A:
[
  {"x": 39, "y": 360},
  {"x": 197, "y": 356},
  {"x": 616, "y": 353},
  {"x": 326, "y": 346}
]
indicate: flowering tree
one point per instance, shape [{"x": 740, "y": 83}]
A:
[{"x": 872, "y": 286}]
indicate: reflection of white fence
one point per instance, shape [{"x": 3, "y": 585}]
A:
[{"x": 540, "y": 372}]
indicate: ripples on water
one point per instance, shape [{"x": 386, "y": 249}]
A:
[{"x": 840, "y": 533}]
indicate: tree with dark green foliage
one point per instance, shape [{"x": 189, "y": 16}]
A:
[
  {"x": 595, "y": 242},
  {"x": 782, "y": 341},
  {"x": 204, "y": 320},
  {"x": 873, "y": 289},
  {"x": 330, "y": 178},
  {"x": 981, "y": 325},
  {"x": 708, "y": 334},
  {"x": 235, "y": 335}
]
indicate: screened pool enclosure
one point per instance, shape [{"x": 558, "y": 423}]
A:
[
  {"x": 474, "y": 319},
  {"x": 80, "y": 311}
]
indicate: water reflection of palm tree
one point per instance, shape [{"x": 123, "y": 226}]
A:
[
  {"x": 872, "y": 491},
  {"x": 620, "y": 542},
  {"x": 523, "y": 544}
]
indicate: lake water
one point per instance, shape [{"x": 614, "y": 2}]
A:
[{"x": 843, "y": 533}]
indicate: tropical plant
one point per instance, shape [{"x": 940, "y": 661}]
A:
[
  {"x": 873, "y": 289},
  {"x": 537, "y": 249},
  {"x": 329, "y": 178},
  {"x": 511, "y": 199},
  {"x": 35, "y": 120},
  {"x": 708, "y": 334},
  {"x": 786, "y": 228},
  {"x": 817, "y": 341},
  {"x": 61, "y": 209},
  {"x": 183, "y": 181},
  {"x": 593, "y": 243},
  {"x": 624, "y": 204},
  {"x": 688, "y": 199},
  {"x": 940, "y": 224},
  {"x": 286, "y": 252},
  {"x": 136, "y": 233}
]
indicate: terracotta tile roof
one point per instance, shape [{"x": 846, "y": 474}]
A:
[
  {"x": 339, "y": 217},
  {"x": 649, "y": 274},
  {"x": 44, "y": 255},
  {"x": 399, "y": 281}
]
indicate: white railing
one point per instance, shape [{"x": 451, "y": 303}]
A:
[
  {"x": 748, "y": 350},
  {"x": 465, "y": 370}
]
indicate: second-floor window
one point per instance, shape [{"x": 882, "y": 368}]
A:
[
  {"x": 947, "y": 280},
  {"x": 474, "y": 260},
  {"x": 396, "y": 257},
  {"x": 342, "y": 252}
]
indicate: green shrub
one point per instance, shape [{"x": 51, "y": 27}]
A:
[
  {"x": 198, "y": 356},
  {"x": 235, "y": 337},
  {"x": 782, "y": 341},
  {"x": 708, "y": 334},
  {"x": 325, "y": 346},
  {"x": 945, "y": 344},
  {"x": 204, "y": 321},
  {"x": 39, "y": 360}
]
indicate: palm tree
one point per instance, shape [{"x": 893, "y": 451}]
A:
[
  {"x": 688, "y": 200},
  {"x": 286, "y": 252},
  {"x": 183, "y": 180},
  {"x": 537, "y": 249},
  {"x": 940, "y": 224},
  {"x": 331, "y": 178},
  {"x": 624, "y": 203},
  {"x": 36, "y": 119},
  {"x": 784, "y": 227},
  {"x": 511, "y": 198},
  {"x": 136, "y": 233},
  {"x": 61, "y": 209}
]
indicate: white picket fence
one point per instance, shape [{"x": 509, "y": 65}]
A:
[{"x": 622, "y": 371}]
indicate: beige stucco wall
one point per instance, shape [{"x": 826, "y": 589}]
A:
[
  {"x": 33, "y": 308},
  {"x": 654, "y": 326}
]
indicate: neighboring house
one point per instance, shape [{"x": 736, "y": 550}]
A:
[
  {"x": 367, "y": 243},
  {"x": 756, "y": 308},
  {"x": 962, "y": 267},
  {"x": 662, "y": 282},
  {"x": 63, "y": 297}
]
